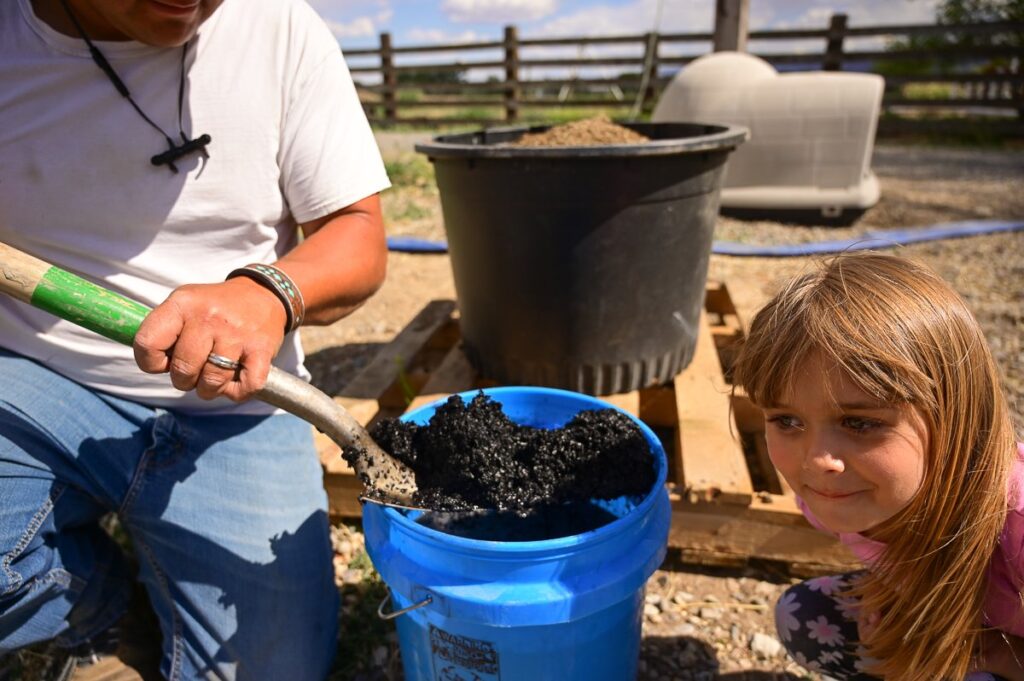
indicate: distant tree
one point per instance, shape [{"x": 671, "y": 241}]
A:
[
  {"x": 952, "y": 12},
  {"x": 444, "y": 77}
]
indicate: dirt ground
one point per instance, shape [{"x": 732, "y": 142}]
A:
[{"x": 702, "y": 624}]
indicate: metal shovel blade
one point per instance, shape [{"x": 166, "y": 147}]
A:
[{"x": 388, "y": 480}]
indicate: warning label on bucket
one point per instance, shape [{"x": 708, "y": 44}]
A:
[{"x": 460, "y": 658}]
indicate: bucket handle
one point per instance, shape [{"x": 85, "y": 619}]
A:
[{"x": 392, "y": 615}]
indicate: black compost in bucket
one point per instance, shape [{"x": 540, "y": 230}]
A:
[{"x": 581, "y": 267}]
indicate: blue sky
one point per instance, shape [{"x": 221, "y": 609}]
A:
[{"x": 357, "y": 23}]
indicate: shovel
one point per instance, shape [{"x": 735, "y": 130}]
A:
[{"x": 109, "y": 314}]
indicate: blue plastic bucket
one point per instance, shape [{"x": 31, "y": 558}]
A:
[{"x": 566, "y": 608}]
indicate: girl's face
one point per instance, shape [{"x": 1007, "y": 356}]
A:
[{"x": 855, "y": 461}]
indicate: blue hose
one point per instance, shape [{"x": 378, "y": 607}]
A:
[{"x": 869, "y": 240}]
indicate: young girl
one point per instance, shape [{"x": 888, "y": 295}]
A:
[{"x": 884, "y": 413}]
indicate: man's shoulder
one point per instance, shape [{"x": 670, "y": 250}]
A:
[
  {"x": 277, "y": 15},
  {"x": 293, "y": 23}
]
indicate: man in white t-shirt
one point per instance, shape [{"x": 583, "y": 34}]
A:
[{"x": 210, "y": 159}]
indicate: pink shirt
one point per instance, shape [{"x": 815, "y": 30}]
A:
[{"x": 1003, "y": 607}]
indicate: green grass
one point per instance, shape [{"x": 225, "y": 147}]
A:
[
  {"x": 493, "y": 117},
  {"x": 928, "y": 91},
  {"x": 410, "y": 170}
]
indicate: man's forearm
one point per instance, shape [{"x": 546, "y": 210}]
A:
[{"x": 340, "y": 263}]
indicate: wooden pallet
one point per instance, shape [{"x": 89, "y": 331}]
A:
[{"x": 728, "y": 503}]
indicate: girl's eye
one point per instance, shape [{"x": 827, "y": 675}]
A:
[
  {"x": 784, "y": 422},
  {"x": 860, "y": 425}
]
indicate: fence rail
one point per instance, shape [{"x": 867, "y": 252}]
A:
[{"x": 496, "y": 88}]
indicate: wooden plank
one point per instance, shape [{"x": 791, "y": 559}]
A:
[
  {"x": 106, "y": 669},
  {"x": 365, "y": 394},
  {"x": 712, "y": 463},
  {"x": 628, "y": 402},
  {"x": 454, "y": 375},
  {"x": 362, "y": 394},
  {"x": 658, "y": 407},
  {"x": 343, "y": 492},
  {"x": 732, "y": 535},
  {"x": 750, "y": 421}
]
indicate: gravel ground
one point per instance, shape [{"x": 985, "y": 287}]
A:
[{"x": 699, "y": 624}]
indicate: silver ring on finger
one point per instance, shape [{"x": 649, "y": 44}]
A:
[{"x": 223, "y": 362}]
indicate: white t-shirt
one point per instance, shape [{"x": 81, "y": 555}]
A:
[{"x": 290, "y": 143}]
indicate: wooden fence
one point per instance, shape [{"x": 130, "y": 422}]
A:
[{"x": 495, "y": 88}]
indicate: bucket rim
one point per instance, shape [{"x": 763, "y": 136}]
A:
[
  {"x": 714, "y": 137},
  {"x": 557, "y": 544}
]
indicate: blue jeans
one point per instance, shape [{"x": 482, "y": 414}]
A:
[{"x": 227, "y": 516}]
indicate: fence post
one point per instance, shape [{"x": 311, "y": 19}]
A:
[
  {"x": 650, "y": 75},
  {"x": 833, "y": 60},
  {"x": 390, "y": 79},
  {"x": 731, "y": 25},
  {"x": 511, "y": 74}
]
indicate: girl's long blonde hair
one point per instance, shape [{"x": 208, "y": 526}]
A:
[{"x": 905, "y": 336}]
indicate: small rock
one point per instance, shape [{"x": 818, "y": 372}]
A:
[
  {"x": 735, "y": 633},
  {"x": 352, "y": 576},
  {"x": 709, "y": 614},
  {"x": 681, "y": 597},
  {"x": 684, "y": 629},
  {"x": 661, "y": 580},
  {"x": 380, "y": 656},
  {"x": 711, "y": 598},
  {"x": 765, "y": 646},
  {"x": 654, "y": 619},
  {"x": 653, "y": 599}
]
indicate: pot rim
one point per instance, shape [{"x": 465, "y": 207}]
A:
[{"x": 489, "y": 142}]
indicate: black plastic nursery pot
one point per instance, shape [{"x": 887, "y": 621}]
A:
[{"x": 581, "y": 267}]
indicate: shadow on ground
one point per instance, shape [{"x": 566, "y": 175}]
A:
[{"x": 333, "y": 367}]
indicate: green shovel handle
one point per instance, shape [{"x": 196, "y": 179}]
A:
[{"x": 72, "y": 298}]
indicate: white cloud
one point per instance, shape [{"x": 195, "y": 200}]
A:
[
  {"x": 498, "y": 11},
  {"x": 356, "y": 28},
  {"x": 437, "y": 35},
  {"x": 335, "y": 6},
  {"x": 632, "y": 18},
  {"x": 782, "y": 14},
  {"x": 816, "y": 14}
]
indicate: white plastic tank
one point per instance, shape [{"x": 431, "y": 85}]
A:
[{"x": 811, "y": 134}]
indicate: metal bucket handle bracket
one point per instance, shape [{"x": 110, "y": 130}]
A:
[{"x": 392, "y": 615}]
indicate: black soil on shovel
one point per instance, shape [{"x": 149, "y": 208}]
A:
[{"x": 474, "y": 456}]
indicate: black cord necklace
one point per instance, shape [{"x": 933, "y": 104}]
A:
[{"x": 174, "y": 151}]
